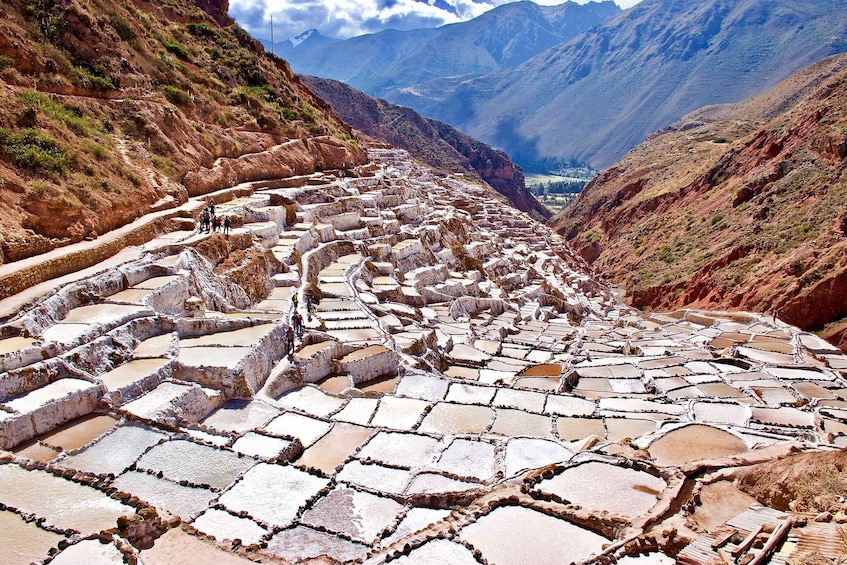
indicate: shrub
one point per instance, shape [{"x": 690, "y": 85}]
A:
[
  {"x": 95, "y": 82},
  {"x": 6, "y": 62},
  {"x": 200, "y": 30},
  {"x": 721, "y": 140},
  {"x": 176, "y": 49},
  {"x": 177, "y": 96},
  {"x": 123, "y": 29},
  {"x": 36, "y": 150}
]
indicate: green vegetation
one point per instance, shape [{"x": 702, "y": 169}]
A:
[
  {"x": 177, "y": 49},
  {"x": 177, "y": 96},
  {"x": 36, "y": 150},
  {"x": 94, "y": 81},
  {"x": 71, "y": 116},
  {"x": 200, "y": 30},
  {"x": 6, "y": 62}
]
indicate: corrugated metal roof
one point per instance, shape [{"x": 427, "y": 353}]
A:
[
  {"x": 755, "y": 516},
  {"x": 824, "y": 538}
]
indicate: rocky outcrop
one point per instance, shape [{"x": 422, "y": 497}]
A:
[{"x": 734, "y": 207}]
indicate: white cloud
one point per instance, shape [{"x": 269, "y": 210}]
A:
[{"x": 347, "y": 18}]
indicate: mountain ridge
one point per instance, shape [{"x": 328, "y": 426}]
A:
[
  {"x": 497, "y": 39},
  {"x": 739, "y": 206},
  {"x": 601, "y": 93}
]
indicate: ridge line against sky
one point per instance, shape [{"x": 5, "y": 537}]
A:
[{"x": 347, "y": 18}]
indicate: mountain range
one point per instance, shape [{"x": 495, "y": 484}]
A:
[
  {"x": 498, "y": 39},
  {"x": 593, "y": 96},
  {"x": 737, "y": 206}
]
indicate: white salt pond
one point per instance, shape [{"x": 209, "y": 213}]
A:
[
  {"x": 64, "y": 504},
  {"x": 115, "y": 452},
  {"x": 601, "y": 486},
  {"x": 223, "y": 525},
  {"x": 359, "y": 515},
  {"x": 181, "y": 460},
  {"x": 273, "y": 493},
  {"x": 494, "y": 536}
]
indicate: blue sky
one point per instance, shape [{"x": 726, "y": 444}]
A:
[{"x": 347, "y": 18}]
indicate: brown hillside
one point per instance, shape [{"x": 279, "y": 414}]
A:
[
  {"x": 109, "y": 110},
  {"x": 741, "y": 206}
]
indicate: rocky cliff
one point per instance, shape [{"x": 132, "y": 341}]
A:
[
  {"x": 741, "y": 207},
  {"x": 436, "y": 143},
  {"x": 109, "y": 110}
]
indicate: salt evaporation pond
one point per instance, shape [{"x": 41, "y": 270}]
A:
[
  {"x": 439, "y": 551},
  {"x": 273, "y": 493},
  {"x": 600, "y": 486},
  {"x": 400, "y": 450},
  {"x": 90, "y": 551},
  {"x": 513, "y": 423},
  {"x": 115, "y": 452},
  {"x": 223, "y": 525},
  {"x": 359, "y": 515},
  {"x": 300, "y": 544},
  {"x": 79, "y": 432},
  {"x": 494, "y": 536},
  {"x": 308, "y": 430},
  {"x": 375, "y": 477},
  {"x": 184, "y": 501},
  {"x": 22, "y": 541},
  {"x": 262, "y": 446},
  {"x": 335, "y": 447},
  {"x": 239, "y": 416},
  {"x": 181, "y": 460},
  {"x": 415, "y": 520},
  {"x": 531, "y": 453},
  {"x": 693, "y": 443},
  {"x": 65, "y": 504},
  {"x": 449, "y": 418},
  {"x": 468, "y": 458}
]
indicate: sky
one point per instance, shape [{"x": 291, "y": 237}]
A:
[{"x": 348, "y": 18}]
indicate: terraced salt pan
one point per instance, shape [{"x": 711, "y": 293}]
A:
[
  {"x": 521, "y": 399},
  {"x": 376, "y": 478},
  {"x": 470, "y": 394},
  {"x": 311, "y": 400},
  {"x": 90, "y": 551},
  {"x": 79, "y": 432},
  {"x": 64, "y": 504},
  {"x": 530, "y": 453},
  {"x": 35, "y": 451},
  {"x": 357, "y": 411},
  {"x": 15, "y": 344},
  {"x": 228, "y": 357},
  {"x": 789, "y": 373},
  {"x": 182, "y": 460},
  {"x": 400, "y": 450},
  {"x": 399, "y": 413},
  {"x": 131, "y": 373},
  {"x": 415, "y": 520},
  {"x": 379, "y": 386},
  {"x": 300, "y": 544},
  {"x": 115, "y": 452},
  {"x": 600, "y": 486},
  {"x": 514, "y": 423},
  {"x": 784, "y": 416},
  {"x": 433, "y": 483},
  {"x": 51, "y": 392},
  {"x": 422, "y": 386},
  {"x": 184, "y": 501},
  {"x": 22, "y": 541},
  {"x": 692, "y": 443},
  {"x": 223, "y": 525},
  {"x": 177, "y": 547},
  {"x": 335, "y": 447},
  {"x": 618, "y": 429},
  {"x": 239, "y": 416},
  {"x": 569, "y": 406},
  {"x": 307, "y": 430},
  {"x": 575, "y": 429},
  {"x": 495, "y": 537},
  {"x": 469, "y": 458},
  {"x": 449, "y": 418},
  {"x": 158, "y": 346},
  {"x": 245, "y": 337},
  {"x": 360, "y": 515},
  {"x": 160, "y": 402},
  {"x": 438, "y": 551},
  {"x": 273, "y": 493},
  {"x": 721, "y": 413}
]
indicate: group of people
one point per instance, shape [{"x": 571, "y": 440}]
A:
[
  {"x": 209, "y": 222},
  {"x": 295, "y": 325}
]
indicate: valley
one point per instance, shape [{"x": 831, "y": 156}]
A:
[{"x": 385, "y": 350}]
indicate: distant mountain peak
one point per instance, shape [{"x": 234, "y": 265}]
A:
[{"x": 295, "y": 41}]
